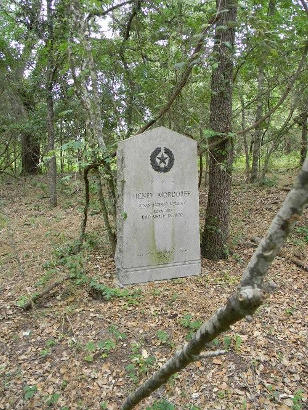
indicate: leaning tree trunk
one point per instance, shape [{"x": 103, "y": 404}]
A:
[
  {"x": 216, "y": 230},
  {"x": 52, "y": 164}
]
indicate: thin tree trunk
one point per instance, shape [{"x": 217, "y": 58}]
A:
[
  {"x": 52, "y": 164},
  {"x": 246, "y": 148},
  {"x": 110, "y": 233},
  {"x": 15, "y": 160},
  {"x": 276, "y": 140},
  {"x": 256, "y": 150},
  {"x": 200, "y": 169},
  {"x": 130, "y": 91},
  {"x": 304, "y": 141},
  {"x": 216, "y": 230},
  {"x": 89, "y": 98},
  {"x": 244, "y": 302},
  {"x": 61, "y": 150}
]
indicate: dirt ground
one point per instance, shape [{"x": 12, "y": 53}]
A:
[{"x": 73, "y": 351}]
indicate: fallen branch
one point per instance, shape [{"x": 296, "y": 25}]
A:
[
  {"x": 299, "y": 263},
  {"x": 215, "y": 353},
  {"x": 245, "y": 301},
  {"x": 255, "y": 241},
  {"x": 37, "y": 296}
]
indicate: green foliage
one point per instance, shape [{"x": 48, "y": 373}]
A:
[
  {"x": 22, "y": 301},
  {"x": 187, "y": 322},
  {"x": 3, "y": 221},
  {"x": 164, "y": 338},
  {"x": 100, "y": 349},
  {"x": 132, "y": 372},
  {"x": 108, "y": 293},
  {"x": 225, "y": 278},
  {"x": 106, "y": 347},
  {"x": 268, "y": 182},
  {"x": 114, "y": 331},
  {"x": 290, "y": 311},
  {"x": 44, "y": 352},
  {"x": 303, "y": 231},
  {"x": 140, "y": 362},
  {"x": 29, "y": 392},
  {"x": 46, "y": 277},
  {"x": 90, "y": 346},
  {"x": 162, "y": 405},
  {"x": 238, "y": 342},
  {"x": 53, "y": 399},
  {"x": 227, "y": 342},
  {"x": 297, "y": 400}
]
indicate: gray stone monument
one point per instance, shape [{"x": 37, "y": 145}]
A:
[{"x": 157, "y": 207}]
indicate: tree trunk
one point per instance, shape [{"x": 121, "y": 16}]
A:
[
  {"x": 257, "y": 141},
  {"x": 30, "y": 156},
  {"x": 216, "y": 230},
  {"x": 61, "y": 150},
  {"x": 304, "y": 142},
  {"x": 246, "y": 148},
  {"x": 52, "y": 164},
  {"x": 258, "y": 131},
  {"x": 104, "y": 210}
]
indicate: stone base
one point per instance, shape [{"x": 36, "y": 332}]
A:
[{"x": 161, "y": 272}]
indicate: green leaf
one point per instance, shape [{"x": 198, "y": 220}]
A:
[
  {"x": 44, "y": 352},
  {"x": 90, "y": 347},
  {"x": 29, "y": 392},
  {"x": 89, "y": 358},
  {"x": 53, "y": 399}
]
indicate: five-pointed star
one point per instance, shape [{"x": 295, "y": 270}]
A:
[{"x": 162, "y": 159}]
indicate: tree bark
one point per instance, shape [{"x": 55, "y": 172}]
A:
[
  {"x": 52, "y": 164},
  {"x": 30, "y": 156},
  {"x": 256, "y": 149},
  {"x": 246, "y": 149},
  {"x": 304, "y": 141},
  {"x": 245, "y": 301},
  {"x": 104, "y": 210},
  {"x": 216, "y": 230}
]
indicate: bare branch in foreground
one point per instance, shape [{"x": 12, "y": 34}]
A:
[{"x": 244, "y": 302}]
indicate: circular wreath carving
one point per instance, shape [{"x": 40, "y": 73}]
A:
[{"x": 162, "y": 159}]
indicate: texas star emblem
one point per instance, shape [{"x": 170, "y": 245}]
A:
[{"x": 162, "y": 159}]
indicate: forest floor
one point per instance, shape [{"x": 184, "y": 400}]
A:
[{"x": 73, "y": 351}]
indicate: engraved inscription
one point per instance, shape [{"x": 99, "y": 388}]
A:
[{"x": 154, "y": 208}]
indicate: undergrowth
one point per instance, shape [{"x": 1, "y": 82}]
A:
[{"x": 72, "y": 261}]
